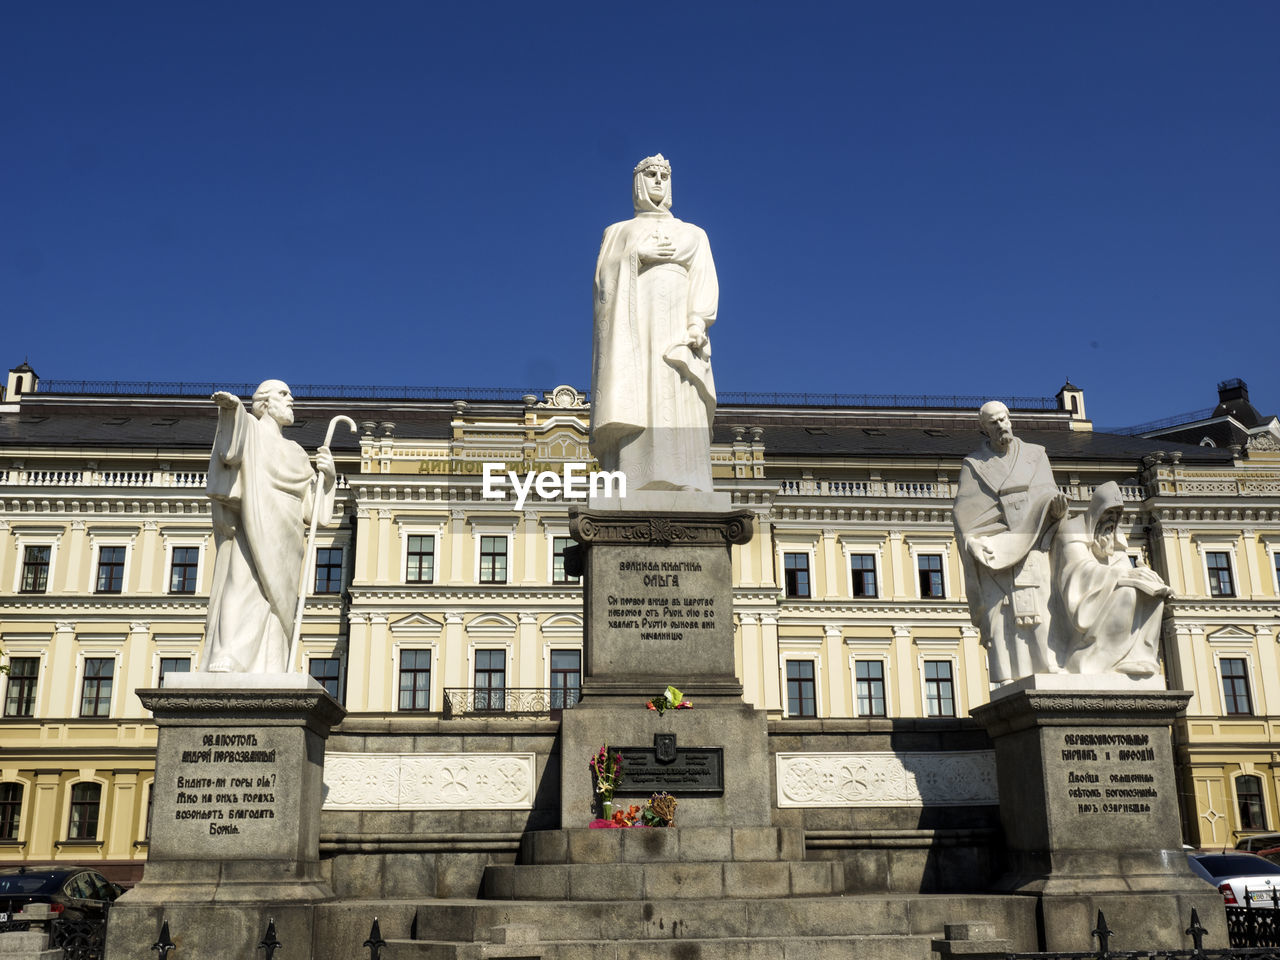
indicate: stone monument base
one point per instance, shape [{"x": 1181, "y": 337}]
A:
[
  {"x": 1088, "y": 801},
  {"x": 235, "y": 814},
  {"x": 658, "y": 599}
]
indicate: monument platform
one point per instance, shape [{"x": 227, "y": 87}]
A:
[
  {"x": 236, "y": 812},
  {"x": 1088, "y": 802}
]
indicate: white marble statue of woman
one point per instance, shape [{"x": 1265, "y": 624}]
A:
[
  {"x": 653, "y": 398},
  {"x": 261, "y": 485},
  {"x": 1111, "y": 610}
]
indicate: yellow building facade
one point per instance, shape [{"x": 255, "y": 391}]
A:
[{"x": 438, "y": 593}]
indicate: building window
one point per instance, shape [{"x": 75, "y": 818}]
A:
[
  {"x": 420, "y": 559},
  {"x": 1253, "y": 813},
  {"x": 493, "y": 559},
  {"x": 491, "y": 679},
  {"x": 566, "y": 678},
  {"x": 864, "y": 574},
  {"x": 110, "y": 569},
  {"x": 415, "y": 679},
  {"x": 930, "y": 568},
  {"x": 183, "y": 569},
  {"x": 796, "y": 571},
  {"x": 558, "y": 547},
  {"x": 20, "y": 693},
  {"x": 939, "y": 691},
  {"x": 1235, "y": 687},
  {"x": 35, "y": 569},
  {"x": 95, "y": 689},
  {"x": 85, "y": 801},
  {"x": 1275, "y": 561},
  {"x": 802, "y": 699},
  {"x": 1219, "y": 566},
  {"x": 328, "y": 671},
  {"x": 10, "y": 810},
  {"x": 329, "y": 570},
  {"x": 870, "y": 678},
  {"x": 170, "y": 665}
]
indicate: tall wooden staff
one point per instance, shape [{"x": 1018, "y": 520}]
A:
[{"x": 306, "y": 544}]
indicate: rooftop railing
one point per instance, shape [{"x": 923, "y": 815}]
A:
[
  {"x": 198, "y": 388},
  {"x": 922, "y": 490}
]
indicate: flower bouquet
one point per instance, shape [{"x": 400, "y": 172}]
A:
[
  {"x": 669, "y": 699},
  {"x": 660, "y": 811},
  {"x": 607, "y": 768}
]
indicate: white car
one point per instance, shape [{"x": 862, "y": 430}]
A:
[{"x": 1237, "y": 875}]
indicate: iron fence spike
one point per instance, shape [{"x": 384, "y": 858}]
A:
[
  {"x": 164, "y": 943},
  {"x": 1104, "y": 934},
  {"x": 375, "y": 943},
  {"x": 269, "y": 941}
]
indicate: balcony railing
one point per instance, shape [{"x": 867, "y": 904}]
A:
[{"x": 508, "y": 701}]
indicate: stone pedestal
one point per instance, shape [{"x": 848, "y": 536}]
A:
[
  {"x": 235, "y": 809},
  {"x": 658, "y": 603},
  {"x": 1088, "y": 801}
]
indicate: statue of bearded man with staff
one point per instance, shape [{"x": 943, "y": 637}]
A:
[{"x": 263, "y": 491}]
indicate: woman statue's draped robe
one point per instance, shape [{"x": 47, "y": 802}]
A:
[
  {"x": 261, "y": 487},
  {"x": 653, "y": 397},
  {"x": 1110, "y": 610}
]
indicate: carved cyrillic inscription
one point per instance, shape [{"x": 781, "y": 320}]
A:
[
  {"x": 228, "y": 782},
  {"x": 1110, "y": 773}
]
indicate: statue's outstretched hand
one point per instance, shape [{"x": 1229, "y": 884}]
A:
[
  {"x": 1058, "y": 507},
  {"x": 226, "y": 401},
  {"x": 325, "y": 466}
]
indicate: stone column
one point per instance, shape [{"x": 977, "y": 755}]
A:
[
  {"x": 771, "y": 663},
  {"x": 658, "y": 605},
  {"x": 1088, "y": 801},
  {"x": 237, "y": 793}
]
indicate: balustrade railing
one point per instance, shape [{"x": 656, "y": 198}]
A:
[
  {"x": 922, "y": 489},
  {"x": 181, "y": 479},
  {"x": 508, "y": 701}
]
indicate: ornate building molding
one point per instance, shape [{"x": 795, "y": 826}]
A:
[{"x": 626, "y": 527}]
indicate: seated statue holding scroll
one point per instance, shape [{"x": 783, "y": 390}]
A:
[{"x": 1109, "y": 609}]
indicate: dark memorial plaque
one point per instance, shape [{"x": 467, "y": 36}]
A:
[{"x": 694, "y": 771}]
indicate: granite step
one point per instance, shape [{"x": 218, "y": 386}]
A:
[
  {"x": 909, "y": 915},
  {"x": 664, "y": 845},
  {"x": 658, "y": 881},
  {"x": 726, "y": 948}
]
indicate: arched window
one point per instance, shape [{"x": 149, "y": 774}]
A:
[
  {"x": 10, "y": 810},
  {"x": 1253, "y": 812},
  {"x": 86, "y": 803}
]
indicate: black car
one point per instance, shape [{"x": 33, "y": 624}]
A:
[{"x": 71, "y": 892}]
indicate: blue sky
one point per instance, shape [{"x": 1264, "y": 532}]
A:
[{"x": 916, "y": 197}]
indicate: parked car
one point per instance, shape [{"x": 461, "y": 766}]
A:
[
  {"x": 73, "y": 892},
  {"x": 1263, "y": 844},
  {"x": 1238, "y": 873}
]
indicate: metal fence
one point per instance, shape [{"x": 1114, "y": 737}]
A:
[
  {"x": 754, "y": 398},
  {"x": 270, "y": 943},
  {"x": 1248, "y": 940},
  {"x": 80, "y": 939}
]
